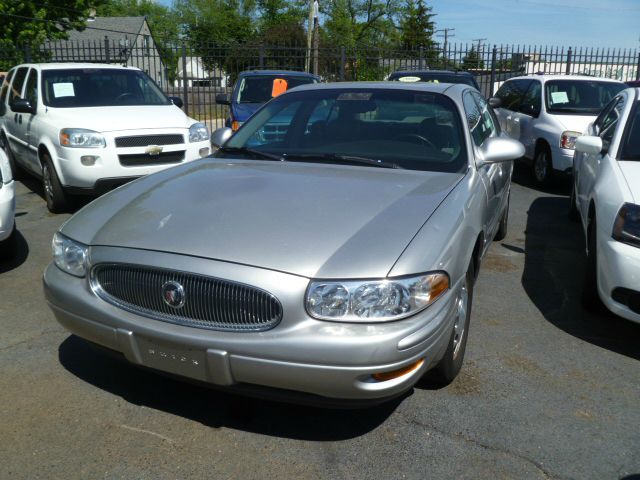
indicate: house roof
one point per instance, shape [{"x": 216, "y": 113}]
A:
[{"x": 112, "y": 27}]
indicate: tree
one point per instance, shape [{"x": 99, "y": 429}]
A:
[
  {"x": 472, "y": 61},
  {"x": 28, "y": 22},
  {"x": 281, "y": 21},
  {"x": 215, "y": 21},
  {"x": 416, "y": 26}
]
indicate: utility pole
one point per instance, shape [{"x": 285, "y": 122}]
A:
[
  {"x": 316, "y": 35},
  {"x": 479, "y": 40},
  {"x": 307, "y": 60},
  {"x": 446, "y": 34}
]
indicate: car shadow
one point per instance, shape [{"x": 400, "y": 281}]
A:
[
  {"x": 558, "y": 184},
  {"x": 554, "y": 269},
  {"x": 215, "y": 408},
  {"x": 18, "y": 254},
  {"x": 76, "y": 202}
]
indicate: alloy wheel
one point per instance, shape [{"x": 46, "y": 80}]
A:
[{"x": 462, "y": 306}]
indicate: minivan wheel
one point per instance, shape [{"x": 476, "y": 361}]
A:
[
  {"x": 542, "y": 167},
  {"x": 448, "y": 368},
  {"x": 15, "y": 170},
  {"x": 54, "y": 194}
]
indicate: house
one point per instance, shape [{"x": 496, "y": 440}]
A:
[
  {"x": 122, "y": 40},
  {"x": 196, "y": 74}
]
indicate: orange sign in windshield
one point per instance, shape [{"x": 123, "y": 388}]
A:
[{"x": 279, "y": 87}]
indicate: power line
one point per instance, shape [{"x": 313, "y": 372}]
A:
[
  {"x": 479, "y": 40},
  {"x": 446, "y": 34}
]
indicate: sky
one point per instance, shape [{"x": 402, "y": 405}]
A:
[{"x": 581, "y": 23}]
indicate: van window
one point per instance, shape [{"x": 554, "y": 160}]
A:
[
  {"x": 18, "y": 82},
  {"x": 31, "y": 90},
  {"x": 511, "y": 93}
]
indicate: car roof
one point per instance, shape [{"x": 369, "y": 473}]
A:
[
  {"x": 545, "y": 78},
  {"x": 415, "y": 86},
  {"x": 427, "y": 72},
  {"x": 70, "y": 65},
  {"x": 292, "y": 73}
]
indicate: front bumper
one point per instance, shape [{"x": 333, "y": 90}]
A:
[
  {"x": 301, "y": 354},
  {"x": 618, "y": 267},
  {"x": 7, "y": 209}
]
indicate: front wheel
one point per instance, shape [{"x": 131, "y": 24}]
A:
[
  {"x": 542, "y": 167},
  {"x": 502, "y": 229},
  {"x": 574, "y": 215},
  {"x": 449, "y": 367},
  {"x": 590, "y": 296},
  {"x": 54, "y": 194}
]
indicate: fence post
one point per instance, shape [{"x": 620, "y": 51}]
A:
[
  {"x": 343, "y": 60},
  {"x": 27, "y": 53},
  {"x": 421, "y": 58},
  {"x": 638, "y": 68},
  {"x": 569, "y": 54},
  {"x": 185, "y": 83},
  {"x": 261, "y": 61},
  {"x": 494, "y": 57},
  {"x": 107, "y": 53}
]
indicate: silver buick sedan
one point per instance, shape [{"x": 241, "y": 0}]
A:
[{"x": 327, "y": 252}]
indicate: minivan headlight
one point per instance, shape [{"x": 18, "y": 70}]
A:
[
  {"x": 198, "y": 132},
  {"x": 626, "y": 227},
  {"x": 374, "y": 300},
  {"x": 69, "y": 255},
  {"x": 81, "y": 138}
]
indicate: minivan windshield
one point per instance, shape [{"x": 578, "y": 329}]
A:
[
  {"x": 579, "y": 97},
  {"x": 99, "y": 87},
  {"x": 376, "y": 127},
  {"x": 262, "y": 88}
]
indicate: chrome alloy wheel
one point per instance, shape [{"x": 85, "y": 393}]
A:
[
  {"x": 540, "y": 166},
  {"x": 46, "y": 180},
  {"x": 462, "y": 307}
]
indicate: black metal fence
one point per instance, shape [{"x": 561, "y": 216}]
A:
[{"x": 198, "y": 72}]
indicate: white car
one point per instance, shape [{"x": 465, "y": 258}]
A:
[
  {"x": 548, "y": 112},
  {"x": 7, "y": 209},
  {"x": 85, "y": 128},
  {"x": 606, "y": 198}
]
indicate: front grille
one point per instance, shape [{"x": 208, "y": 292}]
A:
[
  {"x": 146, "y": 140},
  {"x": 136, "y": 159},
  {"x": 208, "y": 302}
]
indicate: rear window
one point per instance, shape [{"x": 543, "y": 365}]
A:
[
  {"x": 262, "y": 88},
  {"x": 579, "y": 97}
]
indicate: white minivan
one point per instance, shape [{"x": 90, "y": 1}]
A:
[
  {"x": 86, "y": 128},
  {"x": 548, "y": 112}
]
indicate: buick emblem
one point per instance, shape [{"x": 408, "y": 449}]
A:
[{"x": 173, "y": 294}]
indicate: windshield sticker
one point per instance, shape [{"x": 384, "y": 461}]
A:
[
  {"x": 559, "y": 97},
  {"x": 357, "y": 96},
  {"x": 409, "y": 79},
  {"x": 63, "y": 90},
  {"x": 279, "y": 87}
]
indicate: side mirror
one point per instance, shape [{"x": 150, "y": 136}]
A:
[
  {"x": 223, "y": 99},
  {"x": 22, "y": 105},
  {"x": 220, "y": 136},
  {"x": 495, "y": 102},
  {"x": 177, "y": 101},
  {"x": 589, "y": 144},
  {"x": 500, "y": 149}
]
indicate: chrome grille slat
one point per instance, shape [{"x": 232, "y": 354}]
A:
[
  {"x": 146, "y": 140},
  {"x": 210, "y": 303}
]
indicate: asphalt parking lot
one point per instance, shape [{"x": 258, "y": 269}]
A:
[{"x": 547, "y": 390}]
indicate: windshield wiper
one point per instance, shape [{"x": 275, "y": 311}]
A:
[
  {"x": 332, "y": 157},
  {"x": 252, "y": 152}
]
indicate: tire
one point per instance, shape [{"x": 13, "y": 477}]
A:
[
  {"x": 54, "y": 194},
  {"x": 542, "y": 167},
  {"x": 502, "y": 229},
  {"x": 448, "y": 368},
  {"x": 9, "y": 246},
  {"x": 16, "y": 171},
  {"x": 574, "y": 215},
  {"x": 590, "y": 296}
]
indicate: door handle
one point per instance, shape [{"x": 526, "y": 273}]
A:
[
  {"x": 15, "y": 118},
  {"x": 517, "y": 120}
]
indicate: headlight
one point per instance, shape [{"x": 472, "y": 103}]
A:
[
  {"x": 568, "y": 139},
  {"x": 198, "y": 132},
  {"x": 81, "y": 138},
  {"x": 374, "y": 300},
  {"x": 69, "y": 256},
  {"x": 626, "y": 227}
]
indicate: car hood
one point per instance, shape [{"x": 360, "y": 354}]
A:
[
  {"x": 575, "y": 123},
  {"x": 242, "y": 111},
  {"x": 113, "y": 119},
  {"x": 322, "y": 221},
  {"x": 631, "y": 172}
]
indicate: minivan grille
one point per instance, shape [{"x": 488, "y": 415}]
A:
[
  {"x": 137, "y": 159},
  {"x": 146, "y": 140},
  {"x": 207, "y": 302}
]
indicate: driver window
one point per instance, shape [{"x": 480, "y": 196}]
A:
[{"x": 31, "y": 90}]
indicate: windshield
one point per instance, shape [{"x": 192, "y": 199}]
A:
[
  {"x": 434, "y": 78},
  {"x": 98, "y": 87},
  {"x": 382, "y": 127},
  {"x": 262, "y": 88},
  {"x": 581, "y": 97}
]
